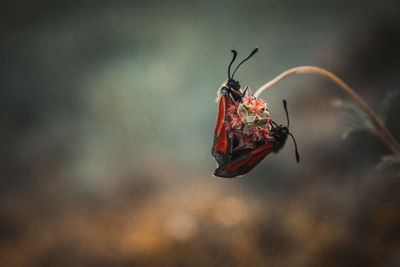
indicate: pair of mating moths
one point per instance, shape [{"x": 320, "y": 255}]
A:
[{"x": 244, "y": 132}]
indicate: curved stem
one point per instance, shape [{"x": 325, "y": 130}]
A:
[{"x": 379, "y": 126}]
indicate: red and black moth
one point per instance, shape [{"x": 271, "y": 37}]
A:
[{"x": 244, "y": 133}]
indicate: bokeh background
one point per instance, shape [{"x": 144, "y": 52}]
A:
[{"x": 107, "y": 120}]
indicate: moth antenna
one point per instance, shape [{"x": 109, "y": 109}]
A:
[
  {"x": 230, "y": 64},
  {"x": 295, "y": 148},
  {"x": 244, "y": 60},
  {"x": 287, "y": 113}
]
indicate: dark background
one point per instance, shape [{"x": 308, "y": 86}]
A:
[{"x": 107, "y": 113}]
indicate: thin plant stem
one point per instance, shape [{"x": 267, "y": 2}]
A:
[{"x": 379, "y": 126}]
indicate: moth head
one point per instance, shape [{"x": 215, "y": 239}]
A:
[
  {"x": 282, "y": 130},
  {"x": 233, "y": 84}
]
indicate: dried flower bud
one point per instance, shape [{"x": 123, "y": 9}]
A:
[{"x": 249, "y": 121}]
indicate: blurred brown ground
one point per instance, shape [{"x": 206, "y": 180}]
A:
[{"x": 107, "y": 118}]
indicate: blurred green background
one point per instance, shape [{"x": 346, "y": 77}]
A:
[{"x": 107, "y": 121}]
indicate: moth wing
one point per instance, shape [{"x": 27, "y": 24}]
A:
[
  {"x": 222, "y": 146},
  {"x": 244, "y": 162}
]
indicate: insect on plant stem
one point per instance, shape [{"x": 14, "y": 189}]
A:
[
  {"x": 244, "y": 134},
  {"x": 379, "y": 127}
]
